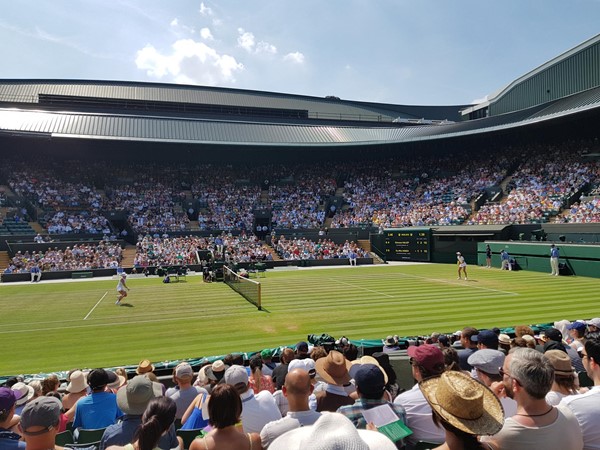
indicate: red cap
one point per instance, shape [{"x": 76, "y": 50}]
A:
[{"x": 430, "y": 357}]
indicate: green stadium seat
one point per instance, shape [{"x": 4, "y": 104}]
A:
[
  {"x": 64, "y": 438},
  {"x": 89, "y": 436},
  {"x": 188, "y": 436}
]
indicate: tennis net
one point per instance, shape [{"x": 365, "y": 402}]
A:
[{"x": 249, "y": 289}]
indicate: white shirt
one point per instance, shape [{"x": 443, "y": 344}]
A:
[
  {"x": 293, "y": 420},
  {"x": 586, "y": 408},
  {"x": 418, "y": 417},
  {"x": 258, "y": 410}
]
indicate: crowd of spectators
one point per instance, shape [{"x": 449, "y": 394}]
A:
[
  {"x": 85, "y": 222},
  {"x": 303, "y": 249},
  {"x": 420, "y": 190},
  {"x": 587, "y": 211},
  {"x": 103, "y": 255},
  {"x": 159, "y": 251},
  {"x": 480, "y": 385},
  {"x": 539, "y": 188}
]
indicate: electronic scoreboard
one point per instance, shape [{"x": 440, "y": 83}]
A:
[{"x": 408, "y": 244}]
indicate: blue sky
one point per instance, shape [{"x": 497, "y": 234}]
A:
[{"x": 394, "y": 51}]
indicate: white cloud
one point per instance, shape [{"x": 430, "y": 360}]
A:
[
  {"x": 246, "y": 40},
  {"x": 189, "y": 62},
  {"x": 265, "y": 47},
  {"x": 206, "y": 34},
  {"x": 295, "y": 57},
  {"x": 174, "y": 22},
  {"x": 205, "y": 10}
]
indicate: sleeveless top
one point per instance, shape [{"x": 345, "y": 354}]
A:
[{"x": 247, "y": 434}]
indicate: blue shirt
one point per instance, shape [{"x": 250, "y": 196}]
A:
[
  {"x": 122, "y": 433},
  {"x": 505, "y": 256},
  {"x": 98, "y": 410},
  {"x": 554, "y": 253},
  {"x": 10, "y": 440}
]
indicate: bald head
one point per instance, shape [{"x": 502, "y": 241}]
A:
[{"x": 297, "y": 383}]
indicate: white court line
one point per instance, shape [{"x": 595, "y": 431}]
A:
[
  {"x": 92, "y": 310},
  {"x": 363, "y": 288},
  {"x": 454, "y": 283}
]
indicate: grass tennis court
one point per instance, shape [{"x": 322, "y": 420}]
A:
[{"x": 58, "y": 326}]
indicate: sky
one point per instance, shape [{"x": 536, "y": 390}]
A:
[{"x": 418, "y": 52}]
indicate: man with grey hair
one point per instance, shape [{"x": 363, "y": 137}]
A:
[{"x": 527, "y": 376}]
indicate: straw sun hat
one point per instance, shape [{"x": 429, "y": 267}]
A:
[{"x": 464, "y": 403}]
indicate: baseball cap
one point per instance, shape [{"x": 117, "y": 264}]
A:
[
  {"x": 370, "y": 380},
  {"x": 487, "y": 338},
  {"x": 430, "y": 357},
  {"x": 41, "y": 412},
  {"x": 487, "y": 360},
  {"x": 184, "y": 370},
  {"x": 305, "y": 364},
  {"x": 302, "y": 347},
  {"x": 553, "y": 334},
  {"x": 577, "y": 325},
  {"x": 267, "y": 353},
  {"x": 236, "y": 375},
  {"x": 8, "y": 398},
  {"x": 594, "y": 322},
  {"x": 97, "y": 378}
]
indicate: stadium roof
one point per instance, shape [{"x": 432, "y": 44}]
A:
[{"x": 153, "y": 128}]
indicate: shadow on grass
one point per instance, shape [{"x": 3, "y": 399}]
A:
[{"x": 127, "y": 305}]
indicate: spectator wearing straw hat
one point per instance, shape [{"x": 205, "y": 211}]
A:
[
  {"x": 527, "y": 377},
  {"x": 333, "y": 370},
  {"x": 426, "y": 361},
  {"x": 9, "y": 440},
  {"x": 133, "y": 400},
  {"x": 40, "y": 423},
  {"x": 144, "y": 367},
  {"x": 332, "y": 432},
  {"x": 465, "y": 409},
  {"x": 390, "y": 344}
]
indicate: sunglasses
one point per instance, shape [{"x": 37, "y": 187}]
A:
[
  {"x": 502, "y": 373},
  {"x": 582, "y": 355}
]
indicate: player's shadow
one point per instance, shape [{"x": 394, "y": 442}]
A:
[{"x": 128, "y": 305}]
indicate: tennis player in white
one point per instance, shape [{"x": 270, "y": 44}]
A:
[
  {"x": 462, "y": 265},
  {"x": 122, "y": 288}
]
